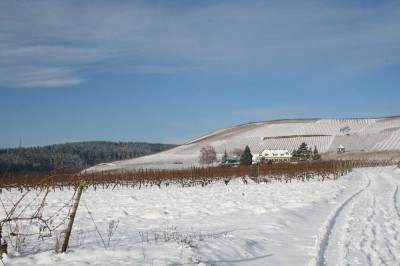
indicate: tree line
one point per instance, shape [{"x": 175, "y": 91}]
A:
[
  {"x": 208, "y": 155},
  {"x": 75, "y": 155},
  {"x": 305, "y": 153}
]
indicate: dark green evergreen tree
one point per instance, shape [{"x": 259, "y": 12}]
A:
[
  {"x": 316, "y": 155},
  {"x": 303, "y": 152},
  {"x": 76, "y": 155},
  {"x": 224, "y": 158},
  {"x": 247, "y": 157},
  {"x": 309, "y": 154}
]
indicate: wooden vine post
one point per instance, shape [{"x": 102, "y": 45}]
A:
[
  {"x": 334, "y": 170},
  {"x": 82, "y": 184},
  {"x": 3, "y": 244}
]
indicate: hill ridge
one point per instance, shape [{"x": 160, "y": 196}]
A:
[{"x": 357, "y": 135}]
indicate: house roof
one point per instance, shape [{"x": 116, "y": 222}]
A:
[
  {"x": 233, "y": 157},
  {"x": 340, "y": 147},
  {"x": 276, "y": 153}
]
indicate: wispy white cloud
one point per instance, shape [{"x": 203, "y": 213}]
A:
[
  {"x": 56, "y": 54},
  {"x": 68, "y": 39},
  {"x": 34, "y": 76}
]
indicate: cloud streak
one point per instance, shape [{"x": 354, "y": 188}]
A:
[
  {"x": 34, "y": 76},
  {"x": 52, "y": 43}
]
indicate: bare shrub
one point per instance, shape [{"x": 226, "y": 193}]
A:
[
  {"x": 112, "y": 227},
  {"x": 20, "y": 236},
  {"x": 171, "y": 234}
]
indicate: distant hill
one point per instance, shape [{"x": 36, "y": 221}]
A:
[
  {"x": 364, "y": 138},
  {"x": 76, "y": 155}
]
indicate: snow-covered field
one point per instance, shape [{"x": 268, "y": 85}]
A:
[{"x": 352, "y": 221}]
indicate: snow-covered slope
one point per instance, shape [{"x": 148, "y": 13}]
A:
[{"x": 356, "y": 135}]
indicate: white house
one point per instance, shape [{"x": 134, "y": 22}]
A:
[{"x": 274, "y": 155}]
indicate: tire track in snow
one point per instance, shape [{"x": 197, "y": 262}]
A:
[
  {"x": 396, "y": 193},
  {"x": 364, "y": 229},
  {"x": 323, "y": 243},
  {"x": 384, "y": 221},
  {"x": 371, "y": 234}
]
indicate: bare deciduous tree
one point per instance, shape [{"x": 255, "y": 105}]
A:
[
  {"x": 238, "y": 152},
  {"x": 207, "y": 155},
  {"x": 345, "y": 130}
]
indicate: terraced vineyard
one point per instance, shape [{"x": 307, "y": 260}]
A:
[{"x": 356, "y": 135}]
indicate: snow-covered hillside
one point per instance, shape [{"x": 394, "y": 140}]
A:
[
  {"x": 356, "y": 135},
  {"x": 352, "y": 221}
]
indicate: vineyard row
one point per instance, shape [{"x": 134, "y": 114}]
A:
[{"x": 193, "y": 176}]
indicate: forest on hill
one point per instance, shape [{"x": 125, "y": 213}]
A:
[{"x": 76, "y": 155}]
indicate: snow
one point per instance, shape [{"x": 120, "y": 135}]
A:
[
  {"x": 352, "y": 221},
  {"x": 365, "y": 228},
  {"x": 365, "y": 135}
]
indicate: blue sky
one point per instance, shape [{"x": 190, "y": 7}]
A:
[{"x": 171, "y": 71}]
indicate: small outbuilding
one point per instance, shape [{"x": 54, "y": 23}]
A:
[{"x": 340, "y": 149}]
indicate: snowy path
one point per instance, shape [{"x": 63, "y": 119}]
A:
[{"x": 365, "y": 228}]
